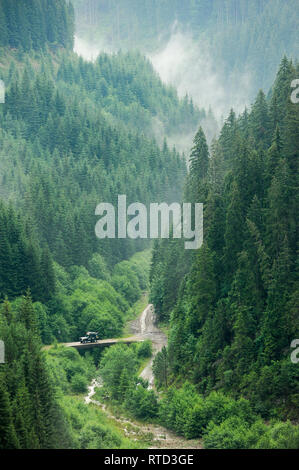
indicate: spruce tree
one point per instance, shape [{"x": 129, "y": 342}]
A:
[{"x": 8, "y": 438}]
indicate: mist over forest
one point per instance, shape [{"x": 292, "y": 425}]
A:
[
  {"x": 219, "y": 52},
  {"x": 115, "y": 335}
]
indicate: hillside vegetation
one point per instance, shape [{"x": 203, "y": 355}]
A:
[{"x": 232, "y": 307}]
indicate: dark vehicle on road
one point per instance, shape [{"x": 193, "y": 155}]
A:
[{"x": 91, "y": 337}]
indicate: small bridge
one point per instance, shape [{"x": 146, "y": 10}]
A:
[{"x": 102, "y": 343}]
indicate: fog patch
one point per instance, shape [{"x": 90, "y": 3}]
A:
[
  {"x": 88, "y": 50},
  {"x": 189, "y": 68},
  {"x": 188, "y": 65}
]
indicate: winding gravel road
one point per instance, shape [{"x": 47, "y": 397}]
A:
[{"x": 144, "y": 327}]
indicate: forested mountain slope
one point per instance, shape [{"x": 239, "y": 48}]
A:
[
  {"x": 233, "y": 306},
  {"x": 126, "y": 86},
  {"x": 77, "y": 134},
  {"x": 36, "y": 24},
  {"x": 72, "y": 135},
  {"x": 236, "y": 36}
]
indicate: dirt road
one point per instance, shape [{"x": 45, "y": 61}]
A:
[{"x": 144, "y": 328}]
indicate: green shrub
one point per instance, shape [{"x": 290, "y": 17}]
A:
[
  {"x": 145, "y": 350},
  {"x": 117, "y": 369},
  {"x": 97, "y": 267},
  {"x": 90, "y": 428},
  {"x": 97, "y": 436},
  {"x": 189, "y": 414},
  {"x": 142, "y": 403},
  {"x": 70, "y": 371},
  {"x": 79, "y": 383},
  {"x": 280, "y": 436},
  {"x": 233, "y": 433}
]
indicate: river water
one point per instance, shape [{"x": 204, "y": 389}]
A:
[{"x": 144, "y": 327}]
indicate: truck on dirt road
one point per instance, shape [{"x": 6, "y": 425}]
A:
[{"x": 91, "y": 337}]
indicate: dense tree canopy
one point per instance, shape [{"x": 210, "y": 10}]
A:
[
  {"x": 235, "y": 313},
  {"x": 32, "y": 24},
  {"x": 74, "y": 134},
  {"x": 237, "y": 32}
]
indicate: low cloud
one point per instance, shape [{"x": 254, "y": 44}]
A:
[
  {"x": 189, "y": 66},
  {"x": 87, "y": 50}
]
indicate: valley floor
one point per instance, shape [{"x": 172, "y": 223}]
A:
[{"x": 157, "y": 436}]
